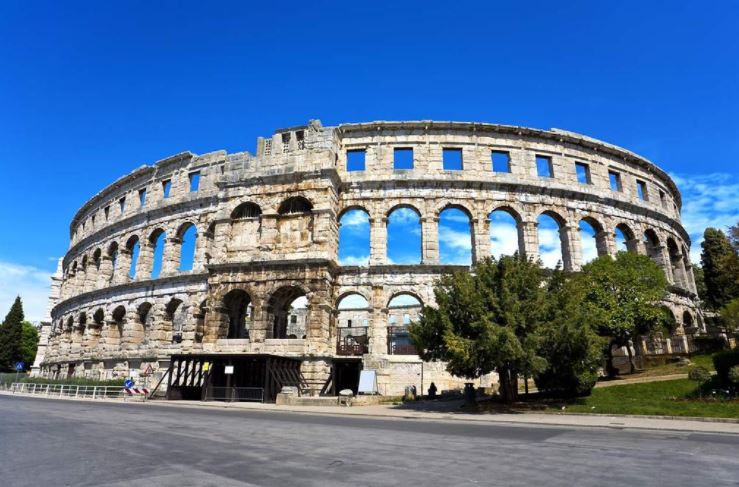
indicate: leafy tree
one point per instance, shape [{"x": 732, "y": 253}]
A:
[
  {"x": 29, "y": 343},
  {"x": 621, "y": 298},
  {"x": 572, "y": 349},
  {"x": 734, "y": 236},
  {"x": 720, "y": 268},
  {"x": 730, "y": 316},
  {"x": 486, "y": 321},
  {"x": 700, "y": 282},
  {"x": 11, "y": 336}
]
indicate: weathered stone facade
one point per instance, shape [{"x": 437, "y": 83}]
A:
[{"x": 267, "y": 229}]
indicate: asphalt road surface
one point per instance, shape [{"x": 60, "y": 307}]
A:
[{"x": 50, "y": 443}]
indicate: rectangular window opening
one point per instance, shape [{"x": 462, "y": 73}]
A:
[
  {"x": 122, "y": 204},
  {"x": 641, "y": 190},
  {"x": 355, "y": 159},
  {"x": 142, "y": 197},
  {"x": 501, "y": 161},
  {"x": 403, "y": 158},
  {"x": 544, "y": 167},
  {"x": 166, "y": 186},
  {"x": 583, "y": 173},
  {"x": 452, "y": 159},
  {"x": 106, "y": 212},
  {"x": 615, "y": 180},
  {"x": 194, "y": 181},
  {"x": 662, "y": 198}
]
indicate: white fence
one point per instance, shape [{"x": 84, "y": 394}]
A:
[{"x": 68, "y": 390}]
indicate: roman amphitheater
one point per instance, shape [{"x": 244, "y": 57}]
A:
[{"x": 231, "y": 262}]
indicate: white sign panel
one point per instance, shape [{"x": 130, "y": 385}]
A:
[
  {"x": 229, "y": 370},
  {"x": 367, "y": 382}
]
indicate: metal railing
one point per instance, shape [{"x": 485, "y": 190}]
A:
[
  {"x": 235, "y": 394},
  {"x": 67, "y": 390},
  {"x": 398, "y": 341},
  {"x": 352, "y": 341}
]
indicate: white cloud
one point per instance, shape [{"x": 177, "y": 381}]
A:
[
  {"x": 355, "y": 218},
  {"x": 709, "y": 200},
  {"x": 362, "y": 260},
  {"x": 404, "y": 216},
  {"x": 455, "y": 247},
  {"x": 28, "y": 282},
  {"x": 550, "y": 247},
  {"x": 504, "y": 239}
]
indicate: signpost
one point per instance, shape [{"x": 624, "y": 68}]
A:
[{"x": 18, "y": 367}]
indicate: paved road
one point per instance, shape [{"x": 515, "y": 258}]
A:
[{"x": 50, "y": 443}]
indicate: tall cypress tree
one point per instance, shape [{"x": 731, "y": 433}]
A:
[
  {"x": 720, "y": 268},
  {"x": 11, "y": 336}
]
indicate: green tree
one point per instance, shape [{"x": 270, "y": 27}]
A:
[
  {"x": 730, "y": 316},
  {"x": 621, "y": 298},
  {"x": 734, "y": 236},
  {"x": 11, "y": 336},
  {"x": 700, "y": 282},
  {"x": 29, "y": 343},
  {"x": 572, "y": 349},
  {"x": 486, "y": 321},
  {"x": 720, "y": 265}
]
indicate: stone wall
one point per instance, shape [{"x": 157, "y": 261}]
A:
[{"x": 267, "y": 227}]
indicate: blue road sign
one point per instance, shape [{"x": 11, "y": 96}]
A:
[
  {"x": 19, "y": 366},
  {"x": 128, "y": 383}
]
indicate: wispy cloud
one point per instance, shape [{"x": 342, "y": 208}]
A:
[
  {"x": 355, "y": 218},
  {"x": 362, "y": 260},
  {"x": 30, "y": 283},
  {"x": 709, "y": 200}
]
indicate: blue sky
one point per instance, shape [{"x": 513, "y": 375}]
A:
[{"x": 89, "y": 92}]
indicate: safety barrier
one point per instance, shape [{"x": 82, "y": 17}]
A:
[{"x": 67, "y": 390}]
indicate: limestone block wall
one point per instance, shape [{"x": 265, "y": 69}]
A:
[{"x": 266, "y": 229}]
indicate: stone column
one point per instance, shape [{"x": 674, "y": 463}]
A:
[
  {"x": 662, "y": 257},
  {"x": 146, "y": 260},
  {"x": 106, "y": 271},
  {"x": 216, "y": 323},
  {"x": 429, "y": 240},
  {"x": 571, "y": 243},
  {"x": 133, "y": 330},
  {"x": 201, "y": 247},
  {"x": 480, "y": 238},
  {"x": 378, "y": 327},
  {"x": 270, "y": 229},
  {"x": 605, "y": 243},
  {"x": 678, "y": 271},
  {"x": 171, "y": 256},
  {"x": 635, "y": 245},
  {"x": 378, "y": 240},
  {"x": 528, "y": 240},
  {"x": 123, "y": 266},
  {"x": 690, "y": 277}
]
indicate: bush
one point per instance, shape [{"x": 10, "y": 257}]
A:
[
  {"x": 734, "y": 375},
  {"x": 699, "y": 374},
  {"x": 723, "y": 362}
]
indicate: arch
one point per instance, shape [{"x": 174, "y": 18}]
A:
[
  {"x": 652, "y": 245},
  {"x": 588, "y": 240},
  {"x": 113, "y": 255},
  {"x": 670, "y": 321},
  {"x": 676, "y": 263},
  {"x": 404, "y": 298},
  {"x": 157, "y": 240},
  {"x": 404, "y": 235},
  {"x": 188, "y": 235},
  {"x": 96, "y": 258},
  {"x": 144, "y": 313},
  {"x": 289, "y": 312},
  {"x": 455, "y": 236},
  {"x": 353, "y": 316},
  {"x": 176, "y": 314},
  {"x": 624, "y": 238},
  {"x": 295, "y": 204},
  {"x": 688, "y": 321},
  {"x": 238, "y": 304},
  {"x": 118, "y": 315},
  {"x": 354, "y": 237},
  {"x": 70, "y": 323},
  {"x": 134, "y": 248},
  {"x": 352, "y": 300},
  {"x": 403, "y": 308},
  {"x": 506, "y": 232},
  {"x": 551, "y": 239},
  {"x": 98, "y": 316},
  {"x": 246, "y": 210}
]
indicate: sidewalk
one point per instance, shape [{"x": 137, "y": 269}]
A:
[{"x": 702, "y": 425}]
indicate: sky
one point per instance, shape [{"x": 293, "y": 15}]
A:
[{"x": 90, "y": 91}]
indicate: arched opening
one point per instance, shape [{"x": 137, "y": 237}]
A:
[
  {"x": 81, "y": 323},
  {"x": 296, "y": 221},
  {"x": 402, "y": 310},
  {"x": 455, "y": 237},
  {"x": 113, "y": 255},
  {"x": 176, "y": 314},
  {"x": 352, "y": 318},
  {"x": 551, "y": 241},
  {"x": 676, "y": 263},
  {"x": 294, "y": 205},
  {"x": 116, "y": 333},
  {"x": 588, "y": 240},
  {"x": 145, "y": 321},
  {"x": 200, "y": 321},
  {"x": 188, "y": 235},
  {"x": 688, "y": 321},
  {"x": 134, "y": 249},
  {"x": 404, "y": 236},
  {"x": 354, "y": 238},
  {"x": 98, "y": 316},
  {"x": 652, "y": 246},
  {"x": 157, "y": 241},
  {"x": 246, "y": 226},
  {"x": 288, "y": 308},
  {"x": 240, "y": 312},
  {"x": 624, "y": 238},
  {"x": 70, "y": 323},
  {"x": 505, "y": 232}
]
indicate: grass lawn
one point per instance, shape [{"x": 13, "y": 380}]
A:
[
  {"x": 704, "y": 360},
  {"x": 653, "y": 398}
]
